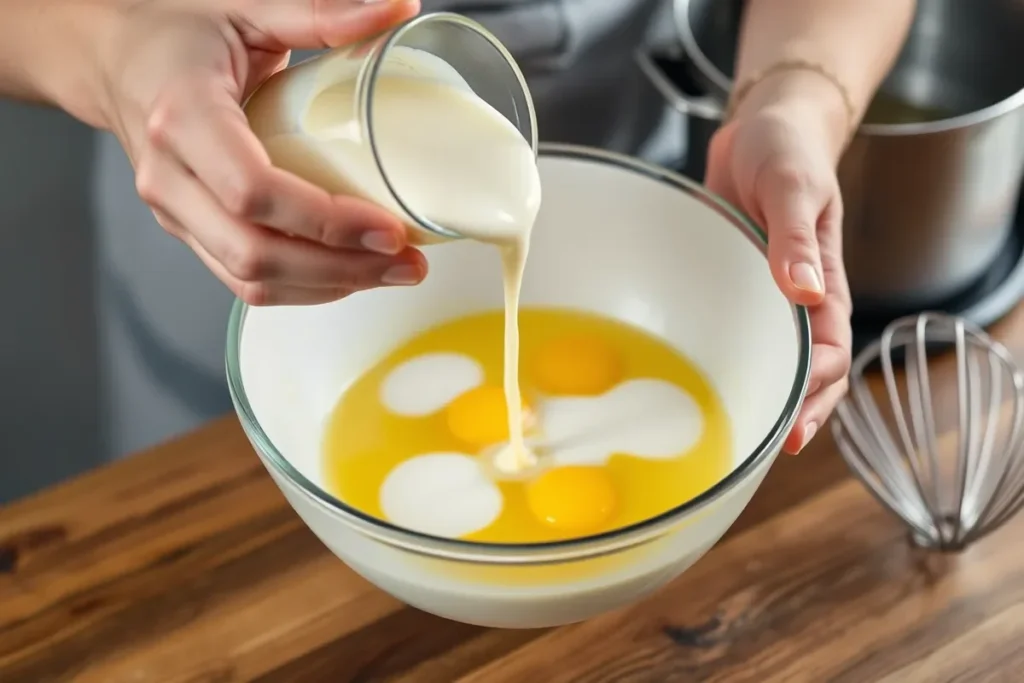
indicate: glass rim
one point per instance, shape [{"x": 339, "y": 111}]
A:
[
  {"x": 550, "y": 551},
  {"x": 368, "y": 82}
]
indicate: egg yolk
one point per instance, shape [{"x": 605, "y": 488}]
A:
[
  {"x": 479, "y": 417},
  {"x": 576, "y": 365},
  {"x": 576, "y": 500}
]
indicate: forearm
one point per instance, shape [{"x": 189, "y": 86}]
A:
[
  {"x": 856, "y": 40},
  {"x": 46, "y": 52}
]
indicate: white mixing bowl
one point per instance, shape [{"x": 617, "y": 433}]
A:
[{"x": 615, "y": 237}]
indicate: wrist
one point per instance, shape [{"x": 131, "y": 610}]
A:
[
  {"x": 803, "y": 96},
  {"x": 50, "y": 53}
]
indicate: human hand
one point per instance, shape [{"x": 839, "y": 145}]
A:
[
  {"x": 775, "y": 160},
  {"x": 174, "y": 75}
]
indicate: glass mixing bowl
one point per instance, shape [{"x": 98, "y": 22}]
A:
[{"x": 615, "y": 237}]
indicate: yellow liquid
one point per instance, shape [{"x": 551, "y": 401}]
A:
[
  {"x": 888, "y": 109},
  {"x": 364, "y": 442}
]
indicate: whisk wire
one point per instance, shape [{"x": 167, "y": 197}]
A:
[
  {"x": 876, "y": 444},
  {"x": 911, "y": 454},
  {"x": 921, "y": 379},
  {"x": 980, "y": 484},
  {"x": 1006, "y": 483},
  {"x": 917, "y": 448},
  {"x": 967, "y": 407}
]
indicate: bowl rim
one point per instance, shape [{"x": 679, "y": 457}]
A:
[{"x": 550, "y": 551}]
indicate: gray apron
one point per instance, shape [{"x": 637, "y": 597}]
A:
[{"x": 162, "y": 315}]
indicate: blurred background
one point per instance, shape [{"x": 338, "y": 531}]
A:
[
  {"x": 91, "y": 286},
  {"x": 112, "y": 335}
]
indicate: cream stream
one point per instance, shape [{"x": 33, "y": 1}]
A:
[{"x": 452, "y": 158}]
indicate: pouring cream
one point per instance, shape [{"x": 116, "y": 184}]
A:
[{"x": 451, "y": 157}]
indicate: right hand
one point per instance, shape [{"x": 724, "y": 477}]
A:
[
  {"x": 175, "y": 73},
  {"x": 776, "y": 160}
]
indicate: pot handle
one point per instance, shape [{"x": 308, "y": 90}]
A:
[{"x": 703, "y": 106}]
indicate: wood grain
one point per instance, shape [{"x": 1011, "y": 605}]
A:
[{"x": 185, "y": 565}]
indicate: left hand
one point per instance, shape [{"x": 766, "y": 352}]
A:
[
  {"x": 174, "y": 75},
  {"x": 777, "y": 164}
]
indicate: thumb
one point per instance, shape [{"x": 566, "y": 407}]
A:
[
  {"x": 791, "y": 214},
  {"x": 717, "y": 175},
  {"x": 315, "y": 24}
]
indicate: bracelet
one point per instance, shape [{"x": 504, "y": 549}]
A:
[{"x": 794, "y": 64}]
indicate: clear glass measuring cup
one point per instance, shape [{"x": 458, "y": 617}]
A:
[{"x": 283, "y": 109}]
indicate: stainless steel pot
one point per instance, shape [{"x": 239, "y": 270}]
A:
[{"x": 931, "y": 180}]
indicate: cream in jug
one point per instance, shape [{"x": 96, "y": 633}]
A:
[{"x": 438, "y": 152}]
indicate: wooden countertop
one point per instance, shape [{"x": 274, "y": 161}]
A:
[{"x": 185, "y": 565}]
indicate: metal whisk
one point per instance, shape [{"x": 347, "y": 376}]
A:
[{"x": 950, "y": 464}]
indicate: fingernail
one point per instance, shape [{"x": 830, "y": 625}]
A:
[
  {"x": 809, "y": 431},
  {"x": 805, "y": 277},
  {"x": 382, "y": 242},
  {"x": 402, "y": 275}
]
